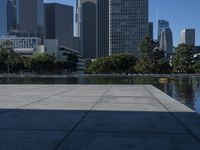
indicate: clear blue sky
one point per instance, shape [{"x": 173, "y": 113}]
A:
[{"x": 180, "y": 13}]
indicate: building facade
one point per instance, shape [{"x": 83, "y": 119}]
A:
[
  {"x": 162, "y": 24},
  {"x": 59, "y": 23},
  {"x": 61, "y": 53},
  {"x": 22, "y": 45},
  {"x": 188, "y": 37},
  {"x": 21, "y": 42},
  {"x": 128, "y": 25},
  {"x": 22, "y": 18},
  {"x": 150, "y": 30},
  {"x": 102, "y": 28},
  {"x": 86, "y": 27},
  {"x": 7, "y": 16},
  {"x": 166, "y": 42},
  {"x": 76, "y": 44},
  {"x": 107, "y": 27}
]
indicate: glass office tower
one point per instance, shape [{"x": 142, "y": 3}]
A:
[
  {"x": 22, "y": 17},
  {"x": 166, "y": 42},
  {"x": 7, "y": 16},
  {"x": 162, "y": 24},
  {"x": 30, "y": 17},
  {"x": 128, "y": 25},
  {"x": 102, "y": 28},
  {"x": 188, "y": 37},
  {"x": 59, "y": 23},
  {"x": 86, "y": 27}
]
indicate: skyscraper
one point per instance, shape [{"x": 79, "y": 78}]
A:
[
  {"x": 7, "y": 16},
  {"x": 117, "y": 26},
  {"x": 188, "y": 36},
  {"x": 162, "y": 24},
  {"x": 166, "y": 42},
  {"x": 128, "y": 25},
  {"x": 78, "y": 17},
  {"x": 86, "y": 27},
  {"x": 102, "y": 28},
  {"x": 150, "y": 30},
  {"x": 22, "y": 17},
  {"x": 59, "y": 23}
]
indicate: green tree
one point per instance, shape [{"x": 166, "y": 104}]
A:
[
  {"x": 196, "y": 67},
  {"x": 119, "y": 63},
  {"x": 88, "y": 62},
  {"x": 147, "y": 46},
  {"x": 144, "y": 66},
  {"x": 152, "y": 60},
  {"x": 7, "y": 55},
  {"x": 125, "y": 62},
  {"x": 72, "y": 61},
  {"x": 27, "y": 61},
  {"x": 43, "y": 63},
  {"x": 96, "y": 65},
  {"x": 60, "y": 66},
  {"x": 183, "y": 59}
]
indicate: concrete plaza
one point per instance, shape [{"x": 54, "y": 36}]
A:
[{"x": 94, "y": 117}]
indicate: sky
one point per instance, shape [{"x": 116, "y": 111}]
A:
[{"x": 181, "y": 14}]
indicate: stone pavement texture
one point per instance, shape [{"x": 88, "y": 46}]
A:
[{"x": 94, "y": 117}]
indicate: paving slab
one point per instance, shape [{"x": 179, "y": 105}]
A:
[
  {"x": 121, "y": 141},
  {"x": 40, "y": 120},
  {"x": 29, "y": 140},
  {"x": 94, "y": 117}
]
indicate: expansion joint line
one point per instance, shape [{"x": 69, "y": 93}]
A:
[
  {"x": 173, "y": 115},
  {"x": 48, "y": 97},
  {"x": 13, "y": 109},
  {"x": 79, "y": 121}
]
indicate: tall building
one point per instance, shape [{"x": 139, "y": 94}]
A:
[
  {"x": 76, "y": 44},
  {"x": 150, "y": 30},
  {"x": 111, "y": 26},
  {"x": 86, "y": 27},
  {"x": 78, "y": 18},
  {"x": 166, "y": 42},
  {"x": 162, "y": 24},
  {"x": 102, "y": 30},
  {"x": 128, "y": 25},
  {"x": 188, "y": 36},
  {"x": 59, "y": 23},
  {"x": 22, "y": 17},
  {"x": 7, "y": 17}
]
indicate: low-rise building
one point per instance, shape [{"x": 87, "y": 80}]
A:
[
  {"x": 61, "y": 52},
  {"x": 22, "y": 45}
]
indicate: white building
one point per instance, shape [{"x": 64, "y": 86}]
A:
[
  {"x": 22, "y": 45},
  {"x": 188, "y": 37},
  {"x": 61, "y": 53}
]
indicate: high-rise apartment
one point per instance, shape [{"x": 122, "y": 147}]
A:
[
  {"x": 22, "y": 17},
  {"x": 188, "y": 36},
  {"x": 162, "y": 24},
  {"x": 86, "y": 27},
  {"x": 128, "y": 25},
  {"x": 59, "y": 23}
]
